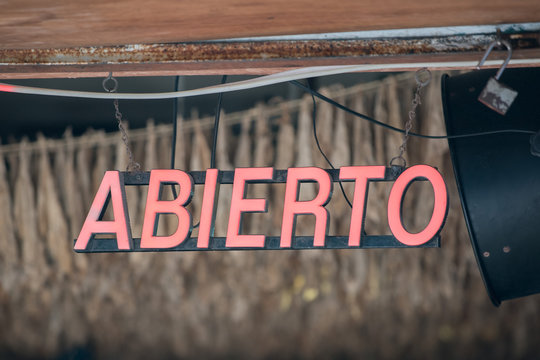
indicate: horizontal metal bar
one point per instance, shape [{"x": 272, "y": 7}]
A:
[
  {"x": 227, "y": 177},
  {"x": 271, "y": 243},
  {"x": 255, "y": 50}
]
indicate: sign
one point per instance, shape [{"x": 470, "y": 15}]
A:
[{"x": 112, "y": 190}]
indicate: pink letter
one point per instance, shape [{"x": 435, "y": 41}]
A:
[
  {"x": 440, "y": 206},
  {"x": 293, "y": 207},
  {"x": 361, "y": 175},
  {"x": 154, "y": 207},
  {"x": 110, "y": 189},
  {"x": 240, "y": 205},
  {"x": 206, "y": 224}
]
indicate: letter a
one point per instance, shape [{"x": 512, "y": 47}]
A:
[{"x": 110, "y": 189}]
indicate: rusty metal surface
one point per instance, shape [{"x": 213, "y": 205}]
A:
[
  {"x": 266, "y": 50},
  {"x": 245, "y": 56}
]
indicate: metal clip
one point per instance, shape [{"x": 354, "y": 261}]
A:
[
  {"x": 496, "y": 95},
  {"x": 113, "y": 82}
]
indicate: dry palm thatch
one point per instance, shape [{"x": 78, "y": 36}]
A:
[
  {"x": 51, "y": 221},
  {"x": 285, "y": 154},
  {"x": 8, "y": 242}
]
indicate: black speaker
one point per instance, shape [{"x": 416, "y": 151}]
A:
[{"x": 498, "y": 178}]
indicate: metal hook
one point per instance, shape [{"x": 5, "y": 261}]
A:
[
  {"x": 420, "y": 74},
  {"x": 114, "y": 81},
  {"x": 398, "y": 158},
  {"x": 497, "y": 42}
]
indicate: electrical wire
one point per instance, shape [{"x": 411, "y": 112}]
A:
[
  {"x": 285, "y": 76},
  {"x": 313, "y": 118},
  {"x": 216, "y": 126},
  {"x": 216, "y": 130},
  {"x": 390, "y": 127}
]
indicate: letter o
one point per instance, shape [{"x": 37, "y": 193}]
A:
[{"x": 440, "y": 206}]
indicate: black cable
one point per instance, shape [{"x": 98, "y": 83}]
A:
[
  {"x": 377, "y": 122},
  {"x": 216, "y": 126},
  {"x": 314, "y": 116},
  {"x": 216, "y": 130}
]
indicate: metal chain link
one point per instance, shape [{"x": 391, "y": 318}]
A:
[
  {"x": 424, "y": 74},
  {"x": 132, "y": 164}
]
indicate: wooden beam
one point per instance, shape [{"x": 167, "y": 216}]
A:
[{"x": 38, "y": 24}]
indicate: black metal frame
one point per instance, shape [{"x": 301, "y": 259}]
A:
[{"x": 99, "y": 245}]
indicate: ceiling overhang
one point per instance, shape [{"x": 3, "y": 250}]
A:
[{"x": 63, "y": 38}]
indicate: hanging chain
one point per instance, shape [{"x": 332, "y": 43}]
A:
[
  {"x": 422, "y": 77},
  {"x": 132, "y": 165}
]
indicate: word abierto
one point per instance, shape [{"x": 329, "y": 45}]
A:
[{"x": 112, "y": 190}]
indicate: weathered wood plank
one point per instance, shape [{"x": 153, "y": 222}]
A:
[{"x": 27, "y": 24}]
